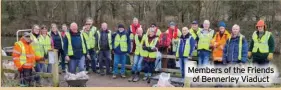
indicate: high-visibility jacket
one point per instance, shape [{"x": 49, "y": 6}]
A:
[
  {"x": 150, "y": 45},
  {"x": 261, "y": 44},
  {"x": 139, "y": 44},
  {"x": 108, "y": 37},
  {"x": 186, "y": 48},
  {"x": 205, "y": 40},
  {"x": 239, "y": 47},
  {"x": 221, "y": 41},
  {"x": 194, "y": 35},
  {"x": 24, "y": 53},
  {"x": 69, "y": 47},
  {"x": 121, "y": 41},
  {"x": 90, "y": 39},
  {"x": 45, "y": 43},
  {"x": 36, "y": 45},
  {"x": 157, "y": 33},
  {"x": 175, "y": 41}
]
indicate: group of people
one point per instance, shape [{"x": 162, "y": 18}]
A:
[{"x": 85, "y": 49}]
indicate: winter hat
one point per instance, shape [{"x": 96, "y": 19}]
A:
[
  {"x": 172, "y": 24},
  {"x": 120, "y": 26},
  {"x": 222, "y": 24},
  {"x": 194, "y": 22}
]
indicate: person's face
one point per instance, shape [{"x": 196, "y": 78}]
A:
[
  {"x": 74, "y": 27},
  {"x": 44, "y": 31},
  {"x": 27, "y": 38},
  {"x": 194, "y": 26},
  {"x": 235, "y": 30},
  {"x": 260, "y": 28},
  {"x": 104, "y": 26},
  {"x": 36, "y": 30},
  {"x": 139, "y": 31},
  {"x": 121, "y": 29},
  {"x": 206, "y": 26},
  {"x": 222, "y": 29},
  {"x": 54, "y": 28},
  {"x": 64, "y": 28},
  {"x": 173, "y": 27},
  {"x": 88, "y": 25},
  {"x": 152, "y": 26},
  {"x": 135, "y": 21},
  {"x": 185, "y": 31},
  {"x": 151, "y": 34}
]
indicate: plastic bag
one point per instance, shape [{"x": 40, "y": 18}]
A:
[
  {"x": 164, "y": 80},
  {"x": 79, "y": 76},
  {"x": 158, "y": 64}
]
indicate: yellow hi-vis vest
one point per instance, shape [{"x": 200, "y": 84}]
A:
[
  {"x": 89, "y": 38},
  {"x": 36, "y": 46},
  {"x": 70, "y": 49},
  {"x": 23, "y": 53},
  {"x": 240, "y": 45},
  {"x": 139, "y": 44},
  {"x": 186, "y": 48},
  {"x": 108, "y": 37},
  {"x": 194, "y": 35},
  {"x": 150, "y": 45},
  {"x": 262, "y": 43},
  {"x": 45, "y": 43},
  {"x": 122, "y": 42},
  {"x": 205, "y": 40}
]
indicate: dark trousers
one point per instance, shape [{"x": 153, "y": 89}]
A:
[
  {"x": 62, "y": 55},
  {"x": 104, "y": 60},
  {"x": 148, "y": 67},
  {"x": 91, "y": 63},
  {"x": 26, "y": 77}
]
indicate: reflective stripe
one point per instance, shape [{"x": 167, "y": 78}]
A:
[
  {"x": 150, "y": 45},
  {"x": 17, "y": 52},
  {"x": 122, "y": 42},
  {"x": 261, "y": 43},
  {"x": 23, "y": 53},
  {"x": 36, "y": 46},
  {"x": 90, "y": 39},
  {"x": 186, "y": 48},
  {"x": 139, "y": 44},
  {"x": 70, "y": 49},
  {"x": 45, "y": 43},
  {"x": 109, "y": 39},
  {"x": 205, "y": 40},
  {"x": 239, "y": 47}
]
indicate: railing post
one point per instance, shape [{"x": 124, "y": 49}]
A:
[{"x": 55, "y": 68}]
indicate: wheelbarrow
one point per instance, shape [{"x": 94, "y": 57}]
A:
[{"x": 77, "y": 83}]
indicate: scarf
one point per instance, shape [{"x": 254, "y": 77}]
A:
[
  {"x": 134, "y": 28},
  {"x": 173, "y": 35}
]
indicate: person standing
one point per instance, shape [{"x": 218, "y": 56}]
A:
[
  {"x": 194, "y": 30},
  {"x": 262, "y": 45},
  {"x": 64, "y": 30},
  {"x": 236, "y": 47},
  {"x": 121, "y": 47},
  {"x": 58, "y": 44},
  {"x": 132, "y": 31},
  {"x": 204, "y": 43},
  {"x": 157, "y": 30},
  {"x": 104, "y": 43},
  {"x": 46, "y": 44},
  {"x": 185, "y": 49},
  {"x": 218, "y": 43},
  {"x": 24, "y": 58},
  {"x": 75, "y": 49}
]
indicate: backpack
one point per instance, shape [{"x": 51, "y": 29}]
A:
[{"x": 164, "y": 40}]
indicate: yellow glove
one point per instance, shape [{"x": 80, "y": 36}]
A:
[
  {"x": 270, "y": 56},
  {"x": 249, "y": 54}
]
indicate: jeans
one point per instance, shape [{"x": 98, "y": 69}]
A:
[
  {"x": 137, "y": 63},
  {"x": 49, "y": 68},
  {"x": 91, "y": 62},
  {"x": 148, "y": 68},
  {"x": 104, "y": 60},
  {"x": 40, "y": 67},
  {"x": 182, "y": 66},
  {"x": 204, "y": 56},
  {"x": 119, "y": 59},
  {"x": 62, "y": 56},
  {"x": 80, "y": 63}
]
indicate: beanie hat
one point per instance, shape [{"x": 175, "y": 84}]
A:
[
  {"x": 120, "y": 26},
  {"x": 222, "y": 24}
]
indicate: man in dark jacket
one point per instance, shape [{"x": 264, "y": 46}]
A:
[
  {"x": 235, "y": 50},
  {"x": 75, "y": 49},
  {"x": 103, "y": 41}
]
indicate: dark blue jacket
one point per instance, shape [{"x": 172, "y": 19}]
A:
[
  {"x": 231, "y": 51},
  {"x": 182, "y": 45},
  {"x": 76, "y": 42},
  {"x": 57, "y": 40},
  {"x": 118, "y": 49}
]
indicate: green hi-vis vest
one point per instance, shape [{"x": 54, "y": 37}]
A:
[
  {"x": 150, "y": 45},
  {"x": 36, "y": 46},
  {"x": 240, "y": 46},
  {"x": 61, "y": 39},
  {"x": 186, "y": 48},
  {"x": 108, "y": 37},
  {"x": 23, "y": 53},
  {"x": 45, "y": 43},
  {"x": 261, "y": 43},
  {"x": 70, "y": 49},
  {"x": 122, "y": 42},
  {"x": 89, "y": 38},
  {"x": 205, "y": 40},
  {"x": 194, "y": 35},
  {"x": 139, "y": 44}
]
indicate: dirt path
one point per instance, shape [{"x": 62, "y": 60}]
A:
[{"x": 106, "y": 81}]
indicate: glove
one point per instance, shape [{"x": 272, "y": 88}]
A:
[
  {"x": 270, "y": 56},
  {"x": 249, "y": 54}
]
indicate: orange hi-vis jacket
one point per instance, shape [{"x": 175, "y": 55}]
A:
[
  {"x": 220, "y": 43},
  {"x": 23, "y": 53}
]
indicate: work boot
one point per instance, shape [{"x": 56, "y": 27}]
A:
[
  {"x": 123, "y": 76},
  {"x": 144, "y": 78},
  {"x": 136, "y": 78},
  {"x": 132, "y": 77},
  {"x": 114, "y": 76}
]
